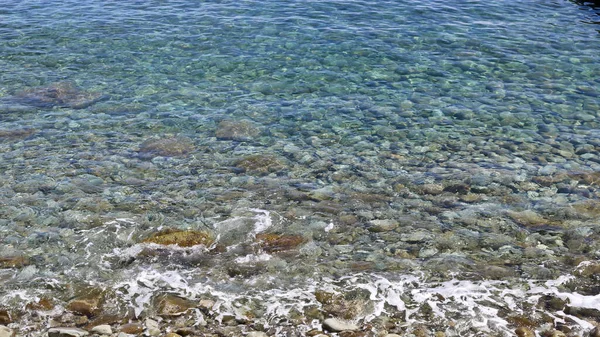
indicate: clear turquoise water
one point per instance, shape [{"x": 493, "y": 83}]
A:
[{"x": 368, "y": 108}]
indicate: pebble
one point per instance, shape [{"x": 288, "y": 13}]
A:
[
  {"x": 524, "y": 332},
  {"x": 103, "y": 329},
  {"x": 337, "y": 325},
  {"x": 256, "y": 334},
  {"x": 6, "y": 331},
  {"x": 383, "y": 225},
  {"x": 67, "y": 332},
  {"x": 132, "y": 328},
  {"x": 153, "y": 329}
]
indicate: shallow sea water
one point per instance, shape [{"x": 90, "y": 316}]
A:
[{"x": 430, "y": 164}]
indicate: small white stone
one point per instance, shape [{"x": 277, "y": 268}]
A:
[
  {"x": 103, "y": 329},
  {"x": 153, "y": 329},
  {"x": 337, "y": 325},
  {"x": 392, "y": 335},
  {"x": 256, "y": 334},
  {"x": 6, "y": 331}
]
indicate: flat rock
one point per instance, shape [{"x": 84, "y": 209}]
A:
[
  {"x": 171, "y": 305},
  {"x": 67, "y": 332},
  {"x": 337, "y": 325},
  {"x": 385, "y": 225}
]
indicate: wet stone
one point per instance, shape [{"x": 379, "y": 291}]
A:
[
  {"x": 171, "y": 305},
  {"x": 43, "y": 304},
  {"x": 67, "y": 332},
  {"x": 132, "y": 328},
  {"x": 337, "y": 325},
  {"x": 103, "y": 329},
  {"x": 61, "y": 94},
  {"x": 242, "y": 130},
  {"x": 583, "y": 312},
  {"x": 180, "y": 238},
  {"x": 383, "y": 225},
  {"x": 272, "y": 243},
  {"x": 152, "y": 327},
  {"x": 588, "y": 269},
  {"x": 524, "y": 332},
  {"x": 260, "y": 164},
  {"x": 528, "y": 218},
  {"x": 6, "y": 316},
  {"x": 553, "y": 333},
  {"x": 18, "y": 261},
  {"x": 16, "y": 133},
  {"x": 166, "y": 147},
  {"x": 88, "y": 303}
]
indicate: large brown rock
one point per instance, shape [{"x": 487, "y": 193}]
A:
[
  {"x": 17, "y": 261},
  {"x": 6, "y": 317},
  {"x": 181, "y": 238},
  {"x": 88, "y": 302}
]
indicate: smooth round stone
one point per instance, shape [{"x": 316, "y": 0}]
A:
[
  {"x": 337, "y": 325},
  {"x": 524, "y": 332},
  {"x": 103, "y": 329},
  {"x": 67, "y": 332}
]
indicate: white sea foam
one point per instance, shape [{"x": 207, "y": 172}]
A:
[
  {"x": 263, "y": 220},
  {"x": 251, "y": 258},
  {"x": 469, "y": 304}
]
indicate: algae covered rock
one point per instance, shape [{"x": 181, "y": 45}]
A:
[
  {"x": 181, "y": 238},
  {"x": 272, "y": 243}
]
